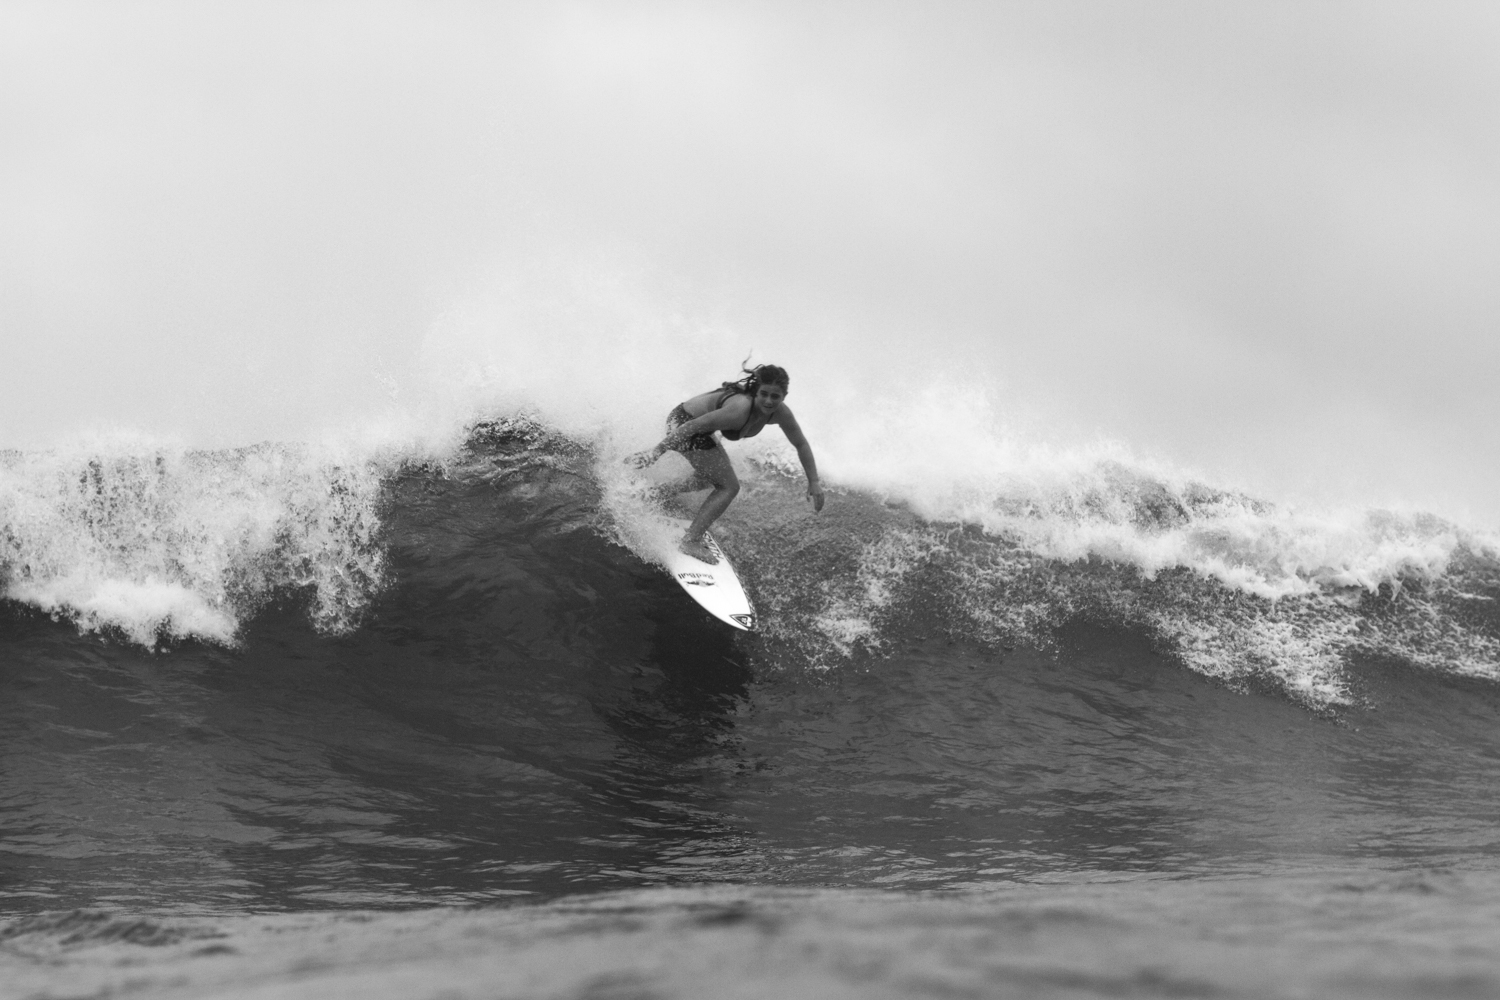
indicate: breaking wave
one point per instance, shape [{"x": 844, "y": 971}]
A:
[{"x": 153, "y": 543}]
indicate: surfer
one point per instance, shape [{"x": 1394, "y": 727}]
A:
[{"x": 736, "y": 410}]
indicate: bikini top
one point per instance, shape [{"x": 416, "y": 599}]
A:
[{"x": 735, "y": 435}]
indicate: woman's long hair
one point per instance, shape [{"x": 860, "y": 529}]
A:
[{"x": 758, "y": 376}]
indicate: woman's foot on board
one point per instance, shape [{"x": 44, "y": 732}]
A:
[{"x": 698, "y": 549}]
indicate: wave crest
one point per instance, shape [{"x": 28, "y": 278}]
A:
[{"x": 158, "y": 542}]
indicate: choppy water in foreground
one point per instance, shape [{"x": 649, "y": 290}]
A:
[{"x": 272, "y": 725}]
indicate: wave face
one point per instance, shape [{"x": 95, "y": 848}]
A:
[{"x": 288, "y": 677}]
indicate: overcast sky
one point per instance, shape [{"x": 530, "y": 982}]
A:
[{"x": 1261, "y": 240}]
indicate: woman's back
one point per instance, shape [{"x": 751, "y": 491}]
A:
[{"x": 706, "y": 402}]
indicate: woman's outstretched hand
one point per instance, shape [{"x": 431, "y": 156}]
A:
[
  {"x": 815, "y": 494},
  {"x": 641, "y": 459}
]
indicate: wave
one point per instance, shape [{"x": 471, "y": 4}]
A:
[{"x": 154, "y": 544}]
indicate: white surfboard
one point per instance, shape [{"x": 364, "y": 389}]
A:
[{"x": 715, "y": 586}]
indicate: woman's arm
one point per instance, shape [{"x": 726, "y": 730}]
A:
[
  {"x": 793, "y": 431},
  {"x": 729, "y": 416}
]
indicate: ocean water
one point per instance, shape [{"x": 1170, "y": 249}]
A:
[{"x": 418, "y": 721}]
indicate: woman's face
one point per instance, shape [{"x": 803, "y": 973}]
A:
[{"x": 768, "y": 397}]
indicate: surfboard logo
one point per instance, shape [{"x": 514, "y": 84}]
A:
[
  {"x": 746, "y": 620},
  {"x": 693, "y": 579}
]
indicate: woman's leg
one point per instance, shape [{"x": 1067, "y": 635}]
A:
[
  {"x": 692, "y": 484},
  {"x": 668, "y": 495},
  {"x": 712, "y": 467}
]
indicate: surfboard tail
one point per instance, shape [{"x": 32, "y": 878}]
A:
[{"x": 714, "y": 586}]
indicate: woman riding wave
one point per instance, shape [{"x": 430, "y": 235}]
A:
[{"x": 736, "y": 410}]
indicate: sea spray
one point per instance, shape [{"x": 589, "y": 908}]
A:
[{"x": 153, "y": 541}]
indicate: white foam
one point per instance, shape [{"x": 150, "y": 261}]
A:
[
  {"x": 127, "y": 533},
  {"x": 141, "y": 610}
]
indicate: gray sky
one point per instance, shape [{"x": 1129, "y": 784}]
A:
[{"x": 1257, "y": 239}]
